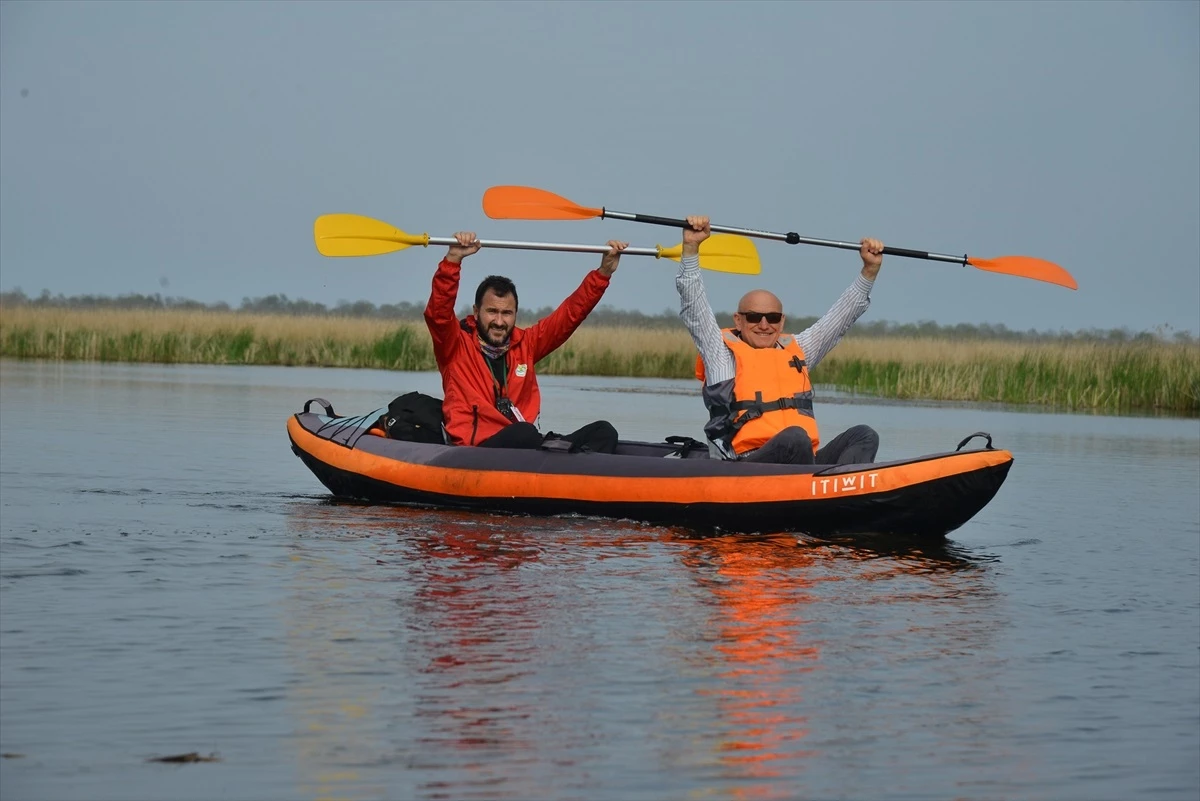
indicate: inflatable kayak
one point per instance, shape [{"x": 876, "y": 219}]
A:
[{"x": 674, "y": 482}]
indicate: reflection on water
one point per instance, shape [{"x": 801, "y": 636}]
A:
[
  {"x": 462, "y": 683},
  {"x": 474, "y": 626},
  {"x": 460, "y": 702},
  {"x": 760, "y": 588},
  {"x": 334, "y": 702},
  {"x": 765, "y": 589}
]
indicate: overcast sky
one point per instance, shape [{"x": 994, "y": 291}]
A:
[{"x": 186, "y": 148}]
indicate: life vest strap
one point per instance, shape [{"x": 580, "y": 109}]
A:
[{"x": 801, "y": 402}]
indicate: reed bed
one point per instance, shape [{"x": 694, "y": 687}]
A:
[
  {"x": 1070, "y": 375},
  {"x": 1107, "y": 377},
  {"x": 207, "y": 337}
]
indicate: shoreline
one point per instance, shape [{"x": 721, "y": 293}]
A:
[{"x": 1121, "y": 377}]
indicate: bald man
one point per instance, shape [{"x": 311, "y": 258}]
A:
[{"x": 756, "y": 378}]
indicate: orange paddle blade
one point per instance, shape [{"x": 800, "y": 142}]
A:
[
  {"x": 527, "y": 203},
  {"x": 1027, "y": 267}
]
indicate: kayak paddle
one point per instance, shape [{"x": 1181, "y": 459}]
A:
[
  {"x": 528, "y": 203},
  {"x": 354, "y": 235}
]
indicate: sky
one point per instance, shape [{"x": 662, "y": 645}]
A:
[{"x": 187, "y": 148}]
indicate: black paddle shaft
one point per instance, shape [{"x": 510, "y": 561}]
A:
[{"x": 792, "y": 238}]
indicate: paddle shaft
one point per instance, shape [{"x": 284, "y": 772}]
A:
[
  {"x": 791, "y": 238},
  {"x": 500, "y": 243}
]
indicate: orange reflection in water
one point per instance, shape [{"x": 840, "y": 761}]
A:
[
  {"x": 473, "y": 622},
  {"x": 760, "y": 586}
]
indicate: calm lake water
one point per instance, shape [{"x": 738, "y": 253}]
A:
[{"x": 173, "y": 580}]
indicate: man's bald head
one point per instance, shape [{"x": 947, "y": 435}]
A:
[{"x": 759, "y": 300}]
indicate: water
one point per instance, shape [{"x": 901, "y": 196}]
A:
[{"x": 173, "y": 580}]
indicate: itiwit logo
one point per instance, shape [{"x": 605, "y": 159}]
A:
[{"x": 838, "y": 485}]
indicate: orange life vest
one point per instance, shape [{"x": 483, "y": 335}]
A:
[{"x": 771, "y": 391}]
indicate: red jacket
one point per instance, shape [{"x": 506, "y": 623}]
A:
[{"x": 469, "y": 393}]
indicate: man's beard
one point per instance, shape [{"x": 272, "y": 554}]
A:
[{"x": 486, "y": 334}]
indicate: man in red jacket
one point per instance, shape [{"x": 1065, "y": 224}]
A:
[{"x": 491, "y": 396}]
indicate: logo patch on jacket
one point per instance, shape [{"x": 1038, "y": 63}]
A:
[{"x": 521, "y": 370}]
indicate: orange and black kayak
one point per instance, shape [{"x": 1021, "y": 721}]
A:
[{"x": 673, "y": 482}]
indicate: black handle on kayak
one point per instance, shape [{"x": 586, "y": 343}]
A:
[
  {"x": 324, "y": 404},
  {"x": 973, "y": 436}
]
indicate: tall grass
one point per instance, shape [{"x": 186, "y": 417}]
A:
[
  {"x": 1109, "y": 377},
  {"x": 202, "y": 337},
  {"x": 1098, "y": 376}
]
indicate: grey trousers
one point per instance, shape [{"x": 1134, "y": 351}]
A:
[{"x": 855, "y": 445}]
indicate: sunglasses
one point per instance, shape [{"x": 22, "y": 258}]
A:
[{"x": 754, "y": 317}]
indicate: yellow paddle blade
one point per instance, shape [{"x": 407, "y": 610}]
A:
[
  {"x": 355, "y": 235},
  {"x": 723, "y": 253}
]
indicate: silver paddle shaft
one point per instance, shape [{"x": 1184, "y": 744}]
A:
[{"x": 565, "y": 248}]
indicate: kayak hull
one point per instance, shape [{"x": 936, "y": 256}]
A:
[{"x": 660, "y": 483}]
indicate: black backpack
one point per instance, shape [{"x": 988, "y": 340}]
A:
[{"x": 414, "y": 417}]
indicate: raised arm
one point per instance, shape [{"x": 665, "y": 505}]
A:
[
  {"x": 694, "y": 308},
  {"x": 549, "y": 333},
  {"x": 439, "y": 310},
  {"x": 820, "y": 338}
]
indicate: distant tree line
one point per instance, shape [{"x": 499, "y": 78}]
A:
[{"x": 601, "y": 316}]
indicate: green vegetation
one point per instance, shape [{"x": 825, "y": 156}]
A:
[
  {"x": 1108, "y": 373},
  {"x": 601, "y": 317},
  {"x": 1117, "y": 377}
]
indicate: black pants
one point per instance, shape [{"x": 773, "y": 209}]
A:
[
  {"x": 855, "y": 445},
  {"x": 599, "y": 437}
]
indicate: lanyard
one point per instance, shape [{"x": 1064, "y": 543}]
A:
[{"x": 500, "y": 387}]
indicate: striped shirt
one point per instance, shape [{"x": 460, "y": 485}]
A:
[{"x": 816, "y": 340}]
